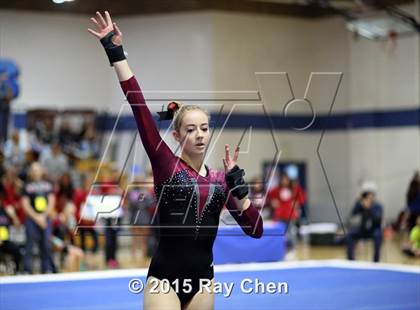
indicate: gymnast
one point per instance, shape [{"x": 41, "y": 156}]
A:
[{"x": 189, "y": 194}]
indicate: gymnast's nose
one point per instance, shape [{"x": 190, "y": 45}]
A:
[{"x": 200, "y": 134}]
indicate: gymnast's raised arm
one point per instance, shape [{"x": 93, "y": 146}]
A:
[{"x": 111, "y": 38}]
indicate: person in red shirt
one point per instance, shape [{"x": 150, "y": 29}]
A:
[
  {"x": 63, "y": 225},
  {"x": 8, "y": 218},
  {"x": 86, "y": 225},
  {"x": 12, "y": 186},
  {"x": 63, "y": 205},
  {"x": 286, "y": 200}
]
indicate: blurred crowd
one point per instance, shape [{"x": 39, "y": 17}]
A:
[
  {"x": 408, "y": 221},
  {"x": 43, "y": 192},
  {"x": 49, "y": 223},
  {"x": 286, "y": 202}
]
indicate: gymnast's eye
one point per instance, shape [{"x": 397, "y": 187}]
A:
[
  {"x": 204, "y": 129},
  {"x": 190, "y": 129}
]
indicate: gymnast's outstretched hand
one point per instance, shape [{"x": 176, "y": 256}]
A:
[
  {"x": 228, "y": 162},
  {"x": 105, "y": 26},
  {"x": 110, "y": 37}
]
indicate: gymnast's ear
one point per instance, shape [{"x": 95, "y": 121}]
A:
[{"x": 176, "y": 135}]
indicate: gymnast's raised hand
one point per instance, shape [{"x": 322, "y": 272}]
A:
[
  {"x": 229, "y": 162},
  {"x": 105, "y": 26},
  {"x": 110, "y": 37}
]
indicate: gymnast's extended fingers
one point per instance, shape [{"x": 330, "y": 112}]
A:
[
  {"x": 225, "y": 164},
  {"x": 117, "y": 30},
  {"x": 94, "y": 33},
  {"x": 96, "y": 23},
  {"x": 101, "y": 20},
  {"x": 235, "y": 156},
  {"x": 108, "y": 18},
  {"x": 227, "y": 155}
]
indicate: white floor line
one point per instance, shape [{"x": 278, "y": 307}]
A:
[{"x": 133, "y": 273}]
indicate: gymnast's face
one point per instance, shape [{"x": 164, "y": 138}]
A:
[{"x": 194, "y": 133}]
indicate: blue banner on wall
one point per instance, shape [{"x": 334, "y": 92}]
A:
[{"x": 11, "y": 70}]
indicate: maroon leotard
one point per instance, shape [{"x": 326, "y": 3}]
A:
[{"x": 188, "y": 206}]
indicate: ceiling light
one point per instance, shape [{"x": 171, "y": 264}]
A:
[{"x": 61, "y": 1}]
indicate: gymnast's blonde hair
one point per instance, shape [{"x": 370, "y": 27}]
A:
[{"x": 182, "y": 110}]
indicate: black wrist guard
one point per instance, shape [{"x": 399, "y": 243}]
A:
[
  {"x": 114, "y": 52},
  {"x": 235, "y": 182}
]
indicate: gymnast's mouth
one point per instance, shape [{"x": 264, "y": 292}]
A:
[{"x": 200, "y": 144}]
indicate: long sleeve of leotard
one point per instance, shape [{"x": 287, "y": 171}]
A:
[
  {"x": 157, "y": 150},
  {"x": 250, "y": 220}
]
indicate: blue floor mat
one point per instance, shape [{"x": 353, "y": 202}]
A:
[{"x": 308, "y": 288}]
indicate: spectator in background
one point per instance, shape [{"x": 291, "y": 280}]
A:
[
  {"x": 414, "y": 247},
  {"x": 365, "y": 222},
  {"x": 14, "y": 152},
  {"x": 2, "y": 168},
  {"x": 413, "y": 200},
  {"x": 140, "y": 199},
  {"x": 110, "y": 186},
  {"x": 31, "y": 156},
  {"x": 64, "y": 192},
  {"x": 54, "y": 161},
  {"x": 88, "y": 147},
  {"x": 66, "y": 136},
  {"x": 6, "y": 96},
  {"x": 85, "y": 218},
  {"x": 300, "y": 195},
  {"x": 44, "y": 131},
  {"x": 64, "y": 220},
  {"x": 285, "y": 201},
  {"x": 72, "y": 255},
  {"x": 7, "y": 218},
  {"x": 257, "y": 196},
  {"x": 64, "y": 226},
  {"x": 38, "y": 202},
  {"x": 13, "y": 186}
]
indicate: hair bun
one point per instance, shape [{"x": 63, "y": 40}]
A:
[{"x": 172, "y": 107}]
